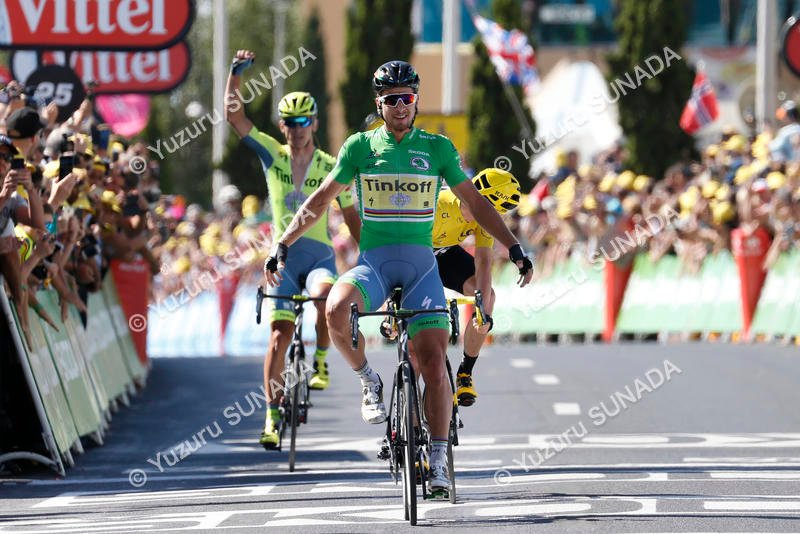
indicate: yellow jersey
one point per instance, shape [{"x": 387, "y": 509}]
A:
[{"x": 449, "y": 226}]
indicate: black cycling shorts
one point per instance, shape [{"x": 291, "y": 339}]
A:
[{"x": 456, "y": 266}]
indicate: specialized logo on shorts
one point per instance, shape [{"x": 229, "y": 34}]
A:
[
  {"x": 420, "y": 163},
  {"x": 426, "y": 302},
  {"x": 294, "y": 200}
]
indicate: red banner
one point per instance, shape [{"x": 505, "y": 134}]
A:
[
  {"x": 133, "y": 285},
  {"x": 226, "y": 290},
  {"x": 615, "y": 281},
  {"x": 94, "y": 25},
  {"x": 149, "y": 71},
  {"x": 749, "y": 250}
]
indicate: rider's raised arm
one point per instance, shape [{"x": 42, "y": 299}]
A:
[{"x": 234, "y": 108}]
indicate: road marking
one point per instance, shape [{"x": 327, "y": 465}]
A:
[
  {"x": 533, "y": 509},
  {"x": 81, "y": 498},
  {"x": 625, "y": 440},
  {"x": 546, "y": 380},
  {"x": 521, "y": 363},
  {"x": 752, "y": 506},
  {"x": 567, "y": 408},
  {"x": 755, "y": 475}
]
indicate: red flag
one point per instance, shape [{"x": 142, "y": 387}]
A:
[{"x": 701, "y": 109}]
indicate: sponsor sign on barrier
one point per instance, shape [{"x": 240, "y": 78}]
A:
[
  {"x": 660, "y": 298},
  {"x": 131, "y": 287},
  {"x": 52, "y": 393},
  {"x": 722, "y": 312},
  {"x": 780, "y": 298},
  {"x": 72, "y": 370},
  {"x": 570, "y": 301},
  {"x": 101, "y": 346},
  {"x": 77, "y": 338}
]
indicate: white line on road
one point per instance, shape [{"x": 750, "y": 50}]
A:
[
  {"x": 752, "y": 506},
  {"x": 521, "y": 363},
  {"x": 533, "y": 509},
  {"x": 546, "y": 380},
  {"x": 755, "y": 475},
  {"x": 567, "y": 408}
]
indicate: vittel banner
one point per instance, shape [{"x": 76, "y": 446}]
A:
[
  {"x": 116, "y": 72},
  {"x": 94, "y": 24}
]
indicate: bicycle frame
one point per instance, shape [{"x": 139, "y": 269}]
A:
[
  {"x": 296, "y": 393},
  {"x": 405, "y": 434}
]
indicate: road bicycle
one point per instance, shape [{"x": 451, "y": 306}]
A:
[
  {"x": 407, "y": 438},
  {"x": 295, "y": 402}
]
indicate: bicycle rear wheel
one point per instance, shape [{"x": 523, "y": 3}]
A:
[
  {"x": 294, "y": 401},
  {"x": 409, "y": 438},
  {"x": 452, "y": 437}
]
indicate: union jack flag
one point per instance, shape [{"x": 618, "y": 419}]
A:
[
  {"x": 511, "y": 53},
  {"x": 701, "y": 109}
]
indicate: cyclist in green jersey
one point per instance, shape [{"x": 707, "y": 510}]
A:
[
  {"x": 398, "y": 171},
  {"x": 294, "y": 171}
]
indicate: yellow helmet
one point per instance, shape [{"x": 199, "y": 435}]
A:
[
  {"x": 297, "y": 104},
  {"x": 499, "y": 187}
]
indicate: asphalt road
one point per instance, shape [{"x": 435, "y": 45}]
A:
[{"x": 621, "y": 438}]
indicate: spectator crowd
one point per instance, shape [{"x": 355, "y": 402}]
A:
[
  {"x": 69, "y": 204},
  {"x": 750, "y": 181}
]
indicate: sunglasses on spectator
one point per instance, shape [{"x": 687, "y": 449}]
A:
[
  {"x": 6, "y": 156},
  {"x": 302, "y": 122},
  {"x": 392, "y": 100}
]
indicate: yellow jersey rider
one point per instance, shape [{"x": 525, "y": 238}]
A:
[
  {"x": 463, "y": 273},
  {"x": 294, "y": 171}
]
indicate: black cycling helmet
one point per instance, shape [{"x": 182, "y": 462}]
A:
[{"x": 395, "y": 73}]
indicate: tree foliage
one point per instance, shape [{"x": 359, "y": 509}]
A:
[
  {"x": 493, "y": 126},
  {"x": 649, "y": 115},
  {"x": 188, "y": 169},
  {"x": 377, "y": 31},
  {"x": 313, "y": 77}
]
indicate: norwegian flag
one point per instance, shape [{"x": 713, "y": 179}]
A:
[
  {"x": 701, "y": 109},
  {"x": 510, "y": 52}
]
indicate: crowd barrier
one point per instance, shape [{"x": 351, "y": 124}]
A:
[
  {"x": 725, "y": 298},
  {"x": 75, "y": 377}
]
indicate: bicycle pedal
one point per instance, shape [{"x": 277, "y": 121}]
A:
[{"x": 384, "y": 453}]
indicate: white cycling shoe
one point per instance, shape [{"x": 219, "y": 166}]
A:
[
  {"x": 438, "y": 480},
  {"x": 373, "y": 410}
]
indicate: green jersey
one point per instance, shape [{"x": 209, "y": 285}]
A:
[
  {"x": 284, "y": 198},
  {"x": 397, "y": 183}
]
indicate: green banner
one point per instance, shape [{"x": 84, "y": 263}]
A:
[
  {"x": 779, "y": 303},
  {"x": 104, "y": 348},
  {"x": 73, "y": 371},
  {"x": 120, "y": 325},
  {"x": 49, "y": 385},
  {"x": 721, "y": 282},
  {"x": 662, "y": 298},
  {"x": 642, "y": 298},
  {"x": 77, "y": 338},
  {"x": 569, "y": 300}
]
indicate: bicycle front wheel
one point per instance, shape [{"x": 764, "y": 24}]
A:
[
  {"x": 294, "y": 399},
  {"x": 409, "y": 471}
]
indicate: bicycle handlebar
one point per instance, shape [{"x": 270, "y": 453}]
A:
[
  {"x": 355, "y": 315},
  {"x": 296, "y": 298},
  {"x": 260, "y": 296}
]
